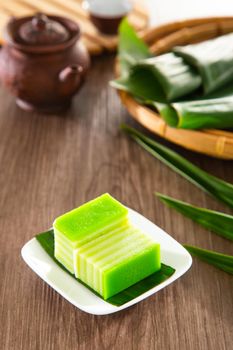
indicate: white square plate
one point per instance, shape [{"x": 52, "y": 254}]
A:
[{"x": 172, "y": 253}]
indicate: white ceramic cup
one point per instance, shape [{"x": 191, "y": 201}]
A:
[{"x": 108, "y": 8}]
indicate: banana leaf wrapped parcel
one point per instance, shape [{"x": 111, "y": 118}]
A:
[{"x": 191, "y": 87}]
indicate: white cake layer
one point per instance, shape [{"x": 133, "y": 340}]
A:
[
  {"x": 97, "y": 245},
  {"x": 111, "y": 250},
  {"x": 65, "y": 247},
  {"x": 102, "y": 247}
]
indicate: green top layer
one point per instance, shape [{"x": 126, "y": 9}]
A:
[{"x": 90, "y": 218}]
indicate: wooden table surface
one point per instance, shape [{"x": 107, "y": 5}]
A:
[{"x": 50, "y": 164}]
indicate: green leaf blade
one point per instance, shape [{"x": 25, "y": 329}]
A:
[
  {"x": 216, "y": 187},
  {"x": 205, "y": 113},
  {"x": 220, "y": 223},
  {"x": 169, "y": 72},
  {"x": 130, "y": 48},
  {"x": 221, "y": 261},
  {"x": 213, "y": 59},
  {"x": 141, "y": 84}
]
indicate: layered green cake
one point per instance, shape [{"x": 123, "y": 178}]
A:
[
  {"x": 85, "y": 223},
  {"x": 98, "y": 243}
]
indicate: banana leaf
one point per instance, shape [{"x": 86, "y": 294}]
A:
[
  {"x": 216, "y": 113},
  {"x": 197, "y": 114},
  {"x": 213, "y": 111},
  {"x": 130, "y": 48},
  {"x": 163, "y": 79},
  {"x": 218, "y": 188},
  {"x": 141, "y": 84},
  {"x": 166, "y": 75},
  {"x": 159, "y": 80},
  {"x": 218, "y": 222},
  {"x": 221, "y": 261},
  {"x": 46, "y": 240},
  {"x": 213, "y": 59}
]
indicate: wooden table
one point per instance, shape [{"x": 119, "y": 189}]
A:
[{"x": 50, "y": 164}]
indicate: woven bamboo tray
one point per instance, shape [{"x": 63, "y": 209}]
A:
[
  {"x": 161, "y": 39},
  {"x": 95, "y": 42}
]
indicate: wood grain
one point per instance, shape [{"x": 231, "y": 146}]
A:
[{"x": 50, "y": 164}]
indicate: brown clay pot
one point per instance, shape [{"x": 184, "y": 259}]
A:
[{"x": 42, "y": 62}]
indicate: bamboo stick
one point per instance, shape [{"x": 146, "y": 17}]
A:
[
  {"x": 186, "y": 36},
  {"x": 155, "y": 33},
  {"x": 16, "y": 8},
  {"x": 220, "y": 133},
  {"x": 225, "y": 26}
]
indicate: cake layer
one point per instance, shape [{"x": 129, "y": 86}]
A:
[
  {"x": 100, "y": 242},
  {"x": 65, "y": 262},
  {"x": 63, "y": 251},
  {"x": 84, "y": 222},
  {"x": 98, "y": 245},
  {"x": 83, "y": 260},
  {"x": 131, "y": 271},
  {"x": 117, "y": 260},
  {"x": 69, "y": 265},
  {"x": 115, "y": 255},
  {"x": 61, "y": 239}
]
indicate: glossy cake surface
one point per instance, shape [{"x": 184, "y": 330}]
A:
[
  {"x": 80, "y": 223},
  {"x": 79, "y": 226}
]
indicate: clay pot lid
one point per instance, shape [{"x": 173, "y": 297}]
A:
[
  {"x": 41, "y": 33},
  {"x": 41, "y": 30}
]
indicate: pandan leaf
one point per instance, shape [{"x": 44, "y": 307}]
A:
[
  {"x": 130, "y": 48},
  {"x": 175, "y": 77},
  {"x": 213, "y": 59},
  {"x": 215, "y": 113},
  {"x": 141, "y": 84},
  {"x": 197, "y": 114},
  {"x": 221, "y": 261},
  {"x": 46, "y": 240},
  {"x": 166, "y": 111},
  {"x": 218, "y": 188},
  {"x": 218, "y": 222},
  {"x": 156, "y": 81},
  {"x": 163, "y": 78}
]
